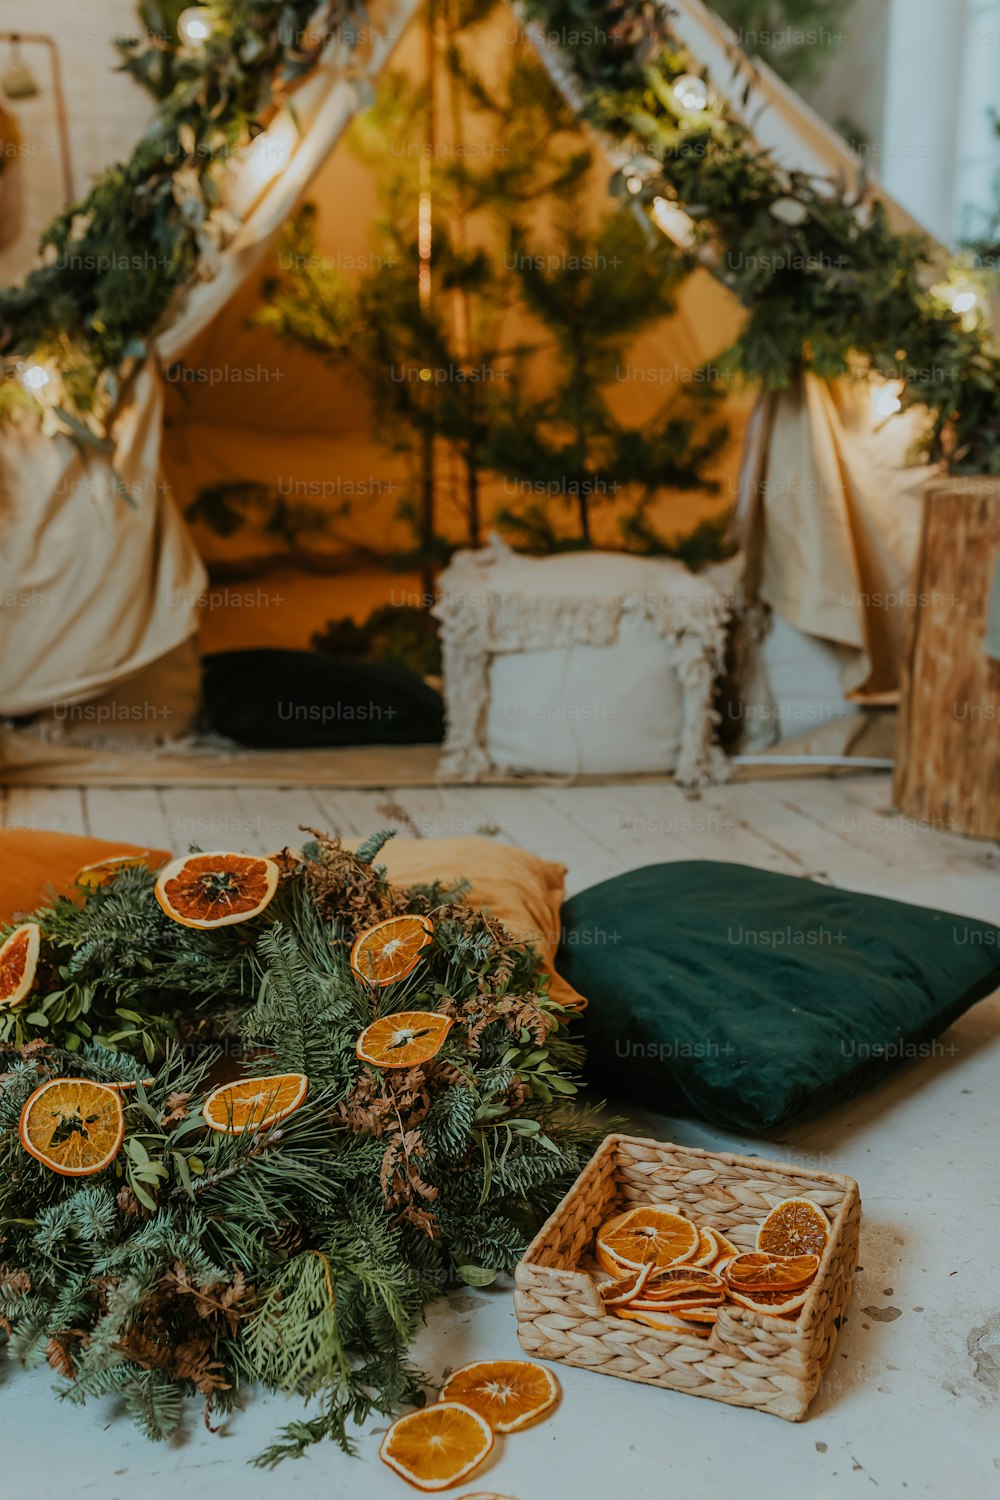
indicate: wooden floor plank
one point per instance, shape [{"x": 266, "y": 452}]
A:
[
  {"x": 352, "y": 813},
  {"x": 862, "y": 810},
  {"x": 134, "y": 814},
  {"x": 59, "y": 808},
  {"x": 707, "y": 827},
  {"x": 212, "y": 817}
]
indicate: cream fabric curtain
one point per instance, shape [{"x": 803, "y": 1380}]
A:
[{"x": 93, "y": 588}]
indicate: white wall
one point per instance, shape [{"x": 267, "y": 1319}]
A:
[{"x": 107, "y": 111}]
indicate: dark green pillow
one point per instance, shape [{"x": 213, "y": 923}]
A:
[
  {"x": 749, "y": 998},
  {"x": 280, "y": 700}
]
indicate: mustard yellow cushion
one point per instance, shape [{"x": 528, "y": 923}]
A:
[
  {"x": 523, "y": 892},
  {"x": 33, "y": 861}
]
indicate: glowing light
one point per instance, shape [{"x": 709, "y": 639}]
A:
[
  {"x": 673, "y": 221},
  {"x": 194, "y": 25},
  {"x": 691, "y": 93},
  {"x": 35, "y": 377},
  {"x": 634, "y": 184},
  {"x": 886, "y": 400},
  {"x": 425, "y": 374},
  {"x": 963, "y": 299}
]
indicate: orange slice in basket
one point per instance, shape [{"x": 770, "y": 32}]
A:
[
  {"x": 776, "y": 1304},
  {"x": 727, "y": 1251},
  {"x": 508, "y": 1393},
  {"x": 685, "y": 1283},
  {"x": 437, "y": 1447},
  {"x": 216, "y": 890},
  {"x": 620, "y": 1291},
  {"x": 18, "y": 963},
  {"x": 662, "y": 1322},
  {"x": 403, "y": 1040},
  {"x": 696, "y": 1315},
  {"x": 796, "y": 1227},
  {"x": 757, "y": 1272},
  {"x": 254, "y": 1103},
  {"x": 708, "y": 1248},
  {"x": 105, "y": 870},
  {"x": 73, "y": 1126},
  {"x": 391, "y": 949},
  {"x": 646, "y": 1236}
]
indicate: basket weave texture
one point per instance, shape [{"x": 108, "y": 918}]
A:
[{"x": 749, "y": 1359}]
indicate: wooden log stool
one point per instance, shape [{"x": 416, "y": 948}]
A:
[{"x": 948, "y": 750}]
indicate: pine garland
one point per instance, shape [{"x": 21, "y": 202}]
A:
[{"x": 301, "y": 1257}]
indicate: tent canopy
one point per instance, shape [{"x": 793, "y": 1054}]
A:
[{"x": 126, "y": 581}]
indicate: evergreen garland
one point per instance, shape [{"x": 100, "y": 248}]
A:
[{"x": 300, "y": 1257}]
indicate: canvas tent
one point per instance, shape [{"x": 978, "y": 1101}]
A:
[{"x": 831, "y": 503}]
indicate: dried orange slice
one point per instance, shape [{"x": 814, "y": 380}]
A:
[
  {"x": 438, "y": 1446},
  {"x": 18, "y": 962},
  {"x": 685, "y": 1283},
  {"x": 254, "y": 1103},
  {"x": 104, "y": 870},
  {"x": 776, "y": 1304},
  {"x": 508, "y": 1393},
  {"x": 403, "y": 1040},
  {"x": 391, "y": 949},
  {"x": 216, "y": 890},
  {"x": 707, "y": 1250},
  {"x": 646, "y": 1236},
  {"x": 662, "y": 1322},
  {"x": 727, "y": 1251},
  {"x": 621, "y": 1290},
  {"x": 757, "y": 1272},
  {"x": 796, "y": 1227},
  {"x": 73, "y": 1126},
  {"x": 696, "y": 1315}
]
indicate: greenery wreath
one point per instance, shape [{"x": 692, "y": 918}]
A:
[
  {"x": 824, "y": 278},
  {"x": 299, "y": 1252}
]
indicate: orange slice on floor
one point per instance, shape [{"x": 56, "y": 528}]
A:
[
  {"x": 254, "y": 1103},
  {"x": 796, "y": 1227},
  {"x": 73, "y": 1126},
  {"x": 621, "y": 1290},
  {"x": 758, "y": 1272},
  {"x": 104, "y": 870},
  {"x": 18, "y": 963},
  {"x": 508, "y": 1393},
  {"x": 391, "y": 949},
  {"x": 404, "y": 1040},
  {"x": 216, "y": 890},
  {"x": 435, "y": 1448},
  {"x": 776, "y": 1304},
  {"x": 647, "y": 1236}
]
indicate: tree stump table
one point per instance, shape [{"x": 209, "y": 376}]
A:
[{"x": 948, "y": 751}]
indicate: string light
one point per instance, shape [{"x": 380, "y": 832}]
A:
[
  {"x": 194, "y": 25},
  {"x": 36, "y": 377},
  {"x": 673, "y": 221},
  {"x": 634, "y": 184},
  {"x": 963, "y": 298},
  {"x": 691, "y": 93},
  {"x": 886, "y": 400}
]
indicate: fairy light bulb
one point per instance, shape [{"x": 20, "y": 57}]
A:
[
  {"x": 35, "y": 376},
  {"x": 634, "y": 183},
  {"x": 691, "y": 93},
  {"x": 963, "y": 298},
  {"x": 886, "y": 400},
  {"x": 194, "y": 25}
]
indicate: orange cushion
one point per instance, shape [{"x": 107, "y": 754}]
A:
[
  {"x": 523, "y": 892},
  {"x": 34, "y": 860}
]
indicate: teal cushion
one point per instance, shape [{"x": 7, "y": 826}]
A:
[{"x": 748, "y": 998}]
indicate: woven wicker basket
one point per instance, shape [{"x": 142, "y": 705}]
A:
[{"x": 749, "y": 1359}]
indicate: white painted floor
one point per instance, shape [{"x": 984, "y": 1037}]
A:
[{"x": 912, "y": 1403}]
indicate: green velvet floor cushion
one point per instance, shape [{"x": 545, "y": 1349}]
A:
[
  {"x": 748, "y": 998},
  {"x": 280, "y": 700}
]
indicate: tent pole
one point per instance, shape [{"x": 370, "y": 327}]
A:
[{"x": 425, "y": 292}]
